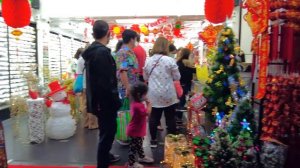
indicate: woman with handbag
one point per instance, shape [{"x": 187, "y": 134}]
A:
[{"x": 161, "y": 71}]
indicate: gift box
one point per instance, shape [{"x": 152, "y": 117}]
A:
[
  {"x": 36, "y": 120},
  {"x": 172, "y": 142},
  {"x": 183, "y": 157}
]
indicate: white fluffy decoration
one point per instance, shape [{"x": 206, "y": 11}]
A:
[
  {"x": 36, "y": 120},
  {"x": 60, "y": 125}
]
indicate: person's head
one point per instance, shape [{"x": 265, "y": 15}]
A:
[
  {"x": 161, "y": 46},
  {"x": 119, "y": 45},
  {"x": 101, "y": 31},
  {"x": 172, "y": 49},
  {"x": 184, "y": 54},
  {"x": 78, "y": 53},
  {"x": 129, "y": 38},
  {"x": 138, "y": 92}
]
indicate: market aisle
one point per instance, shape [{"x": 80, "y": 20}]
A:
[{"x": 78, "y": 150}]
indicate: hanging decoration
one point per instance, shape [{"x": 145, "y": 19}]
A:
[
  {"x": 177, "y": 29},
  {"x": 144, "y": 29},
  {"x": 217, "y": 11},
  {"x": 190, "y": 46},
  {"x": 263, "y": 65},
  {"x": 257, "y": 15},
  {"x": 16, "y": 14},
  {"x": 209, "y": 35},
  {"x": 136, "y": 28},
  {"x": 159, "y": 21},
  {"x": 89, "y": 20},
  {"x": 117, "y": 31}
]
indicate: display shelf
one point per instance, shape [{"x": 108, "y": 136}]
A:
[
  {"x": 66, "y": 54},
  {"x": 54, "y": 56},
  {"x": 22, "y": 57},
  {"x": 4, "y": 64},
  {"x": 46, "y": 70}
]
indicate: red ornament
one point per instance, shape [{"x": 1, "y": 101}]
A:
[
  {"x": 33, "y": 95},
  {"x": 136, "y": 28},
  {"x": 16, "y": 13},
  {"x": 48, "y": 102},
  {"x": 216, "y": 11}
]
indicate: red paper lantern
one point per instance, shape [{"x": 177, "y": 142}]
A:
[
  {"x": 216, "y": 11},
  {"x": 136, "y": 28},
  {"x": 16, "y": 13}
]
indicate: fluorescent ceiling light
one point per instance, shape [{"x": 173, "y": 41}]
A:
[{"x": 135, "y": 21}]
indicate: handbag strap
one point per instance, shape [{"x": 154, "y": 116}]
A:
[{"x": 155, "y": 65}]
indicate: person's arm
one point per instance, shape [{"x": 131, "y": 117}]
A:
[
  {"x": 145, "y": 71},
  {"x": 149, "y": 107}
]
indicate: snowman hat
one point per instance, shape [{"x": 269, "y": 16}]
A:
[{"x": 55, "y": 87}]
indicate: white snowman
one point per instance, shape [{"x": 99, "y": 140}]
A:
[{"x": 60, "y": 124}]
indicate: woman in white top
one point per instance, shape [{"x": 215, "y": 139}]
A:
[
  {"x": 160, "y": 71},
  {"x": 90, "y": 120}
]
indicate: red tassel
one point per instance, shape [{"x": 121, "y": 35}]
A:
[
  {"x": 16, "y": 13},
  {"x": 216, "y": 11},
  {"x": 274, "y": 42}
]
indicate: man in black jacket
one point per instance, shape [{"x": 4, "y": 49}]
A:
[{"x": 102, "y": 92}]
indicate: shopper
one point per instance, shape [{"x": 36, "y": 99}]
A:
[
  {"x": 136, "y": 129},
  {"x": 172, "y": 50},
  {"x": 127, "y": 66},
  {"x": 102, "y": 92},
  {"x": 90, "y": 120},
  {"x": 141, "y": 55},
  {"x": 75, "y": 61},
  {"x": 118, "y": 47},
  {"x": 186, "y": 69},
  {"x": 160, "y": 71}
]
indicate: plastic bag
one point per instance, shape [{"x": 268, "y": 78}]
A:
[{"x": 78, "y": 84}]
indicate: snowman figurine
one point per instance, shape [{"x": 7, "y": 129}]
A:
[{"x": 60, "y": 124}]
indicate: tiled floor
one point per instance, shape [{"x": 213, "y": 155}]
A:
[{"x": 78, "y": 150}]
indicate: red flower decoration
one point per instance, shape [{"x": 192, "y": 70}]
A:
[
  {"x": 136, "y": 28},
  {"x": 216, "y": 11},
  {"x": 16, "y": 13}
]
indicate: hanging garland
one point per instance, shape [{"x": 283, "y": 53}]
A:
[{"x": 209, "y": 35}]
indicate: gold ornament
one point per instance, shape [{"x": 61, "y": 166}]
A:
[
  {"x": 214, "y": 111},
  {"x": 229, "y": 102},
  {"x": 220, "y": 70}
]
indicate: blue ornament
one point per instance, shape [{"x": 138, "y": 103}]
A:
[
  {"x": 225, "y": 84},
  {"x": 245, "y": 125},
  {"x": 240, "y": 92}
]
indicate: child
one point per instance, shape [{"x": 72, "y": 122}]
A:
[{"x": 136, "y": 129}]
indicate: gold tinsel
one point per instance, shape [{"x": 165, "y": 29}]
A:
[
  {"x": 18, "y": 107},
  {"x": 31, "y": 77}
]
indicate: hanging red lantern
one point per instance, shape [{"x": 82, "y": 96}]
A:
[
  {"x": 217, "y": 11},
  {"x": 177, "y": 29},
  {"x": 16, "y": 13}
]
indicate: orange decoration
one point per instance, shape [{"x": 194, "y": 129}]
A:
[
  {"x": 190, "y": 46},
  {"x": 257, "y": 15},
  {"x": 263, "y": 64},
  {"x": 209, "y": 35},
  {"x": 17, "y": 32}
]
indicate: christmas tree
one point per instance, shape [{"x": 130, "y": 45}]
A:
[
  {"x": 222, "y": 152},
  {"x": 245, "y": 149},
  {"x": 225, "y": 89}
]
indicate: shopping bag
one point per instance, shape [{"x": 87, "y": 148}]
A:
[
  {"x": 123, "y": 120},
  {"x": 178, "y": 88},
  {"x": 202, "y": 73},
  {"x": 78, "y": 84}
]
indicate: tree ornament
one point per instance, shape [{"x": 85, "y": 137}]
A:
[{"x": 217, "y": 11}]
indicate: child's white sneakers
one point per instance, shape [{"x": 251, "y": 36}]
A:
[
  {"x": 136, "y": 165},
  {"x": 146, "y": 159}
]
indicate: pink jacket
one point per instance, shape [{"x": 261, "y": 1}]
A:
[{"x": 138, "y": 124}]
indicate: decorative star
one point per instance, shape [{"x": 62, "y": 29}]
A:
[{"x": 245, "y": 125}]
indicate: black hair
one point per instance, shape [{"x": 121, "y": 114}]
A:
[
  {"x": 100, "y": 29},
  {"x": 184, "y": 54},
  {"x": 78, "y": 53},
  {"x": 172, "y": 48},
  {"x": 138, "y": 38},
  {"x": 138, "y": 90},
  {"x": 119, "y": 45},
  {"x": 127, "y": 35}
]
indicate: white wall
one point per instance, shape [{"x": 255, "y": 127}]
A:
[{"x": 246, "y": 39}]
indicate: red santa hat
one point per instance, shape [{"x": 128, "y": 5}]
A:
[{"x": 55, "y": 87}]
